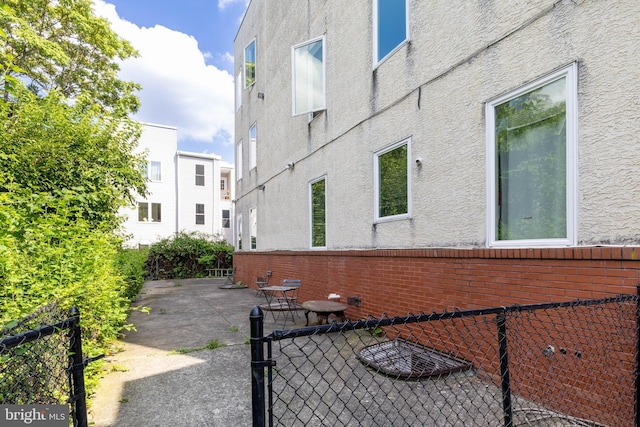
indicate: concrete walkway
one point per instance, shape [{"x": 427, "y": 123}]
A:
[{"x": 161, "y": 379}]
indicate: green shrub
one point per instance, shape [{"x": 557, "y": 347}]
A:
[
  {"x": 48, "y": 253},
  {"x": 186, "y": 255},
  {"x": 131, "y": 266}
]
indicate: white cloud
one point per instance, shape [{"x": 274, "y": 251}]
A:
[{"x": 178, "y": 87}]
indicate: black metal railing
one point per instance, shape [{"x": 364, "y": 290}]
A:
[
  {"x": 569, "y": 363},
  {"x": 43, "y": 364}
]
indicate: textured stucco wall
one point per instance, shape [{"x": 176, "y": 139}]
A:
[{"x": 434, "y": 90}]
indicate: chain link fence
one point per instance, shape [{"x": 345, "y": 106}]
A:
[
  {"x": 41, "y": 362},
  {"x": 559, "y": 364}
]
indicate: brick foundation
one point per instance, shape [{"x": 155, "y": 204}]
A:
[{"x": 397, "y": 282}]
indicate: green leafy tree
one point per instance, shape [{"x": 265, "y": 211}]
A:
[
  {"x": 62, "y": 45},
  {"x": 70, "y": 130},
  {"x": 67, "y": 163},
  {"x": 47, "y": 146}
]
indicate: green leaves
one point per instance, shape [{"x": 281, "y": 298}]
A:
[
  {"x": 67, "y": 163},
  {"x": 61, "y": 45},
  {"x": 50, "y": 147},
  {"x": 187, "y": 255}
]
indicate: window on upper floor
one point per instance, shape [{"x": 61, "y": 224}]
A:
[
  {"x": 200, "y": 213},
  {"x": 200, "y": 175},
  {"x": 239, "y": 90},
  {"x": 253, "y": 147},
  {"x": 531, "y": 150},
  {"x": 143, "y": 212},
  {"x": 239, "y": 232},
  {"x": 253, "y": 222},
  {"x": 239, "y": 161},
  {"x": 391, "y": 27},
  {"x": 392, "y": 182},
  {"x": 250, "y": 64},
  {"x": 318, "y": 213},
  {"x": 308, "y": 75},
  {"x": 155, "y": 171},
  {"x": 226, "y": 219}
]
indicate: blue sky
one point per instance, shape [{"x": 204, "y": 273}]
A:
[{"x": 185, "y": 65}]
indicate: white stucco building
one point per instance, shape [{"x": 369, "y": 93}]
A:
[
  {"x": 473, "y": 153},
  {"x": 187, "y": 192}
]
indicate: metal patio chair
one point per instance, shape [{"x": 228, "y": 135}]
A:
[{"x": 262, "y": 282}]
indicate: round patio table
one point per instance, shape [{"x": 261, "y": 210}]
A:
[{"x": 323, "y": 309}]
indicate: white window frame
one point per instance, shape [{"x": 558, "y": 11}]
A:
[
  {"x": 323, "y": 107},
  {"x": 253, "y": 228},
  {"x": 253, "y": 150},
  {"x": 322, "y": 178},
  {"x": 151, "y": 175},
  {"x": 239, "y": 161},
  {"x": 150, "y": 211},
  {"x": 226, "y": 221},
  {"x": 571, "y": 90},
  {"x": 202, "y": 175},
  {"x": 239, "y": 232},
  {"x": 376, "y": 183},
  {"x": 200, "y": 214},
  {"x": 244, "y": 64},
  {"x": 376, "y": 49}
]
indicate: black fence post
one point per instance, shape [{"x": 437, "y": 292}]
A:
[
  {"x": 504, "y": 370},
  {"x": 257, "y": 366},
  {"x": 79, "y": 403},
  {"x": 636, "y": 418}
]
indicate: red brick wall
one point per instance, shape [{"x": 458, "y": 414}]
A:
[{"x": 397, "y": 282}]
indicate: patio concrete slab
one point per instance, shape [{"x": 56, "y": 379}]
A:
[{"x": 164, "y": 375}]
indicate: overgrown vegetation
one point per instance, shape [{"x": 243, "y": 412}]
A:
[
  {"x": 187, "y": 255},
  {"x": 131, "y": 263},
  {"x": 67, "y": 165}
]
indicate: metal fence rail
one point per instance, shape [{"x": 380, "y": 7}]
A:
[
  {"x": 41, "y": 362},
  {"x": 556, "y": 364}
]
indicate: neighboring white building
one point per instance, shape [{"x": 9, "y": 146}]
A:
[{"x": 187, "y": 192}]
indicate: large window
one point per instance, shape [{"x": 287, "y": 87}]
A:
[
  {"x": 391, "y": 27},
  {"x": 532, "y": 152},
  {"x": 200, "y": 213},
  {"x": 318, "y": 213},
  {"x": 308, "y": 77},
  {"x": 200, "y": 175},
  {"x": 143, "y": 212},
  {"x": 239, "y": 161},
  {"x": 252, "y": 147},
  {"x": 253, "y": 220},
  {"x": 392, "y": 182},
  {"x": 250, "y": 64}
]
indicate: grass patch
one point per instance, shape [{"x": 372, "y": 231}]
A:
[{"x": 211, "y": 345}]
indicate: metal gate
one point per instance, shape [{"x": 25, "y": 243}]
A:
[
  {"x": 43, "y": 364},
  {"x": 557, "y": 364}
]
